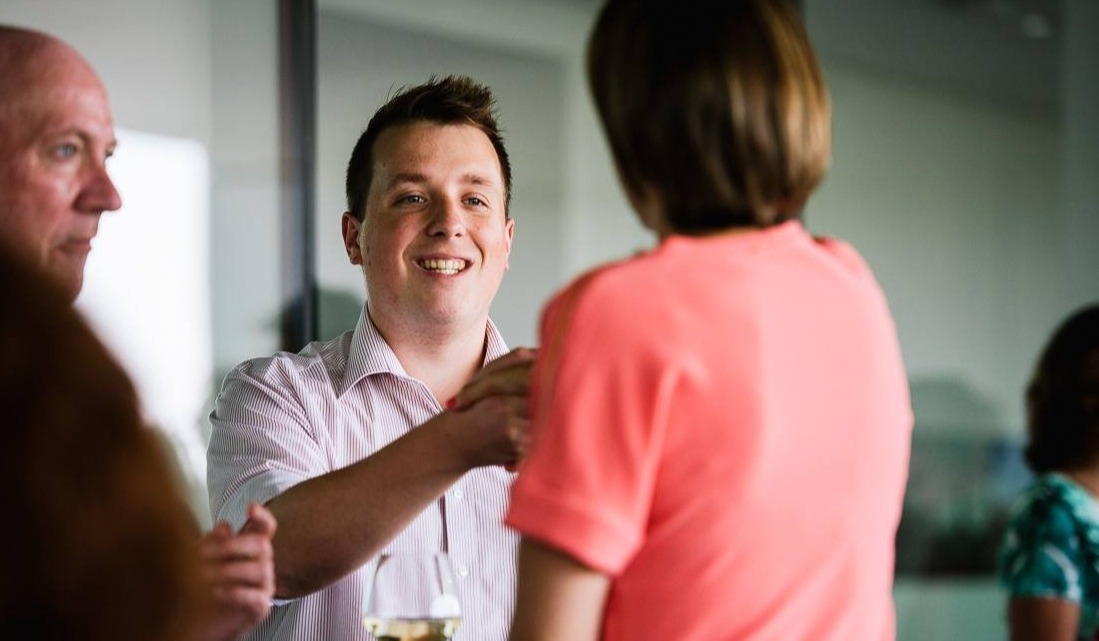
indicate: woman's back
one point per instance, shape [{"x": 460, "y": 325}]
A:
[{"x": 737, "y": 435}]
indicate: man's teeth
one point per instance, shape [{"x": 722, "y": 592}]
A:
[{"x": 450, "y": 266}]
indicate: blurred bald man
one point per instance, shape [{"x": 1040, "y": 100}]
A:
[{"x": 56, "y": 134}]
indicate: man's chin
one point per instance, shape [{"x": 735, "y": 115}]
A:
[
  {"x": 71, "y": 287},
  {"x": 69, "y": 276}
]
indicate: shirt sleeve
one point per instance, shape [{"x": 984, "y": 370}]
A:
[
  {"x": 261, "y": 442},
  {"x": 1041, "y": 554},
  {"x": 586, "y": 487}
]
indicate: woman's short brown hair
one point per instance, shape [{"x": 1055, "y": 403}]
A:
[
  {"x": 100, "y": 544},
  {"x": 718, "y": 109}
]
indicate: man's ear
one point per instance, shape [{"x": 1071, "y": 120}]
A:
[
  {"x": 509, "y": 229},
  {"x": 351, "y": 227}
]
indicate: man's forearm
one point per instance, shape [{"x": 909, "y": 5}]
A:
[{"x": 332, "y": 524}]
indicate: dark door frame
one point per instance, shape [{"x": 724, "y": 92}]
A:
[{"x": 297, "y": 42}]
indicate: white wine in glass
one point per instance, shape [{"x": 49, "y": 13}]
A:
[{"x": 412, "y": 597}]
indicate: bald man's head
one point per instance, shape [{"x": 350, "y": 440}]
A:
[{"x": 56, "y": 133}]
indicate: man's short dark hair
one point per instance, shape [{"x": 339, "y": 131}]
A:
[{"x": 453, "y": 100}]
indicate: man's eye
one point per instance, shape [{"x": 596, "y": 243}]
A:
[
  {"x": 412, "y": 199},
  {"x": 65, "y": 150},
  {"x": 473, "y": 200}
]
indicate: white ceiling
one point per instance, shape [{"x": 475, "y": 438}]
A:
[{"x": 1007, "y": 52}]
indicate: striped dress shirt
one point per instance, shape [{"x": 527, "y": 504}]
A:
[{"x": 281, "y": 420}]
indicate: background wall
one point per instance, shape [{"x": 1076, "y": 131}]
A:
[
  {"x": 957, "y": 207},
  {"x": 978, "y": 216},
  {"x": 154, "y": 56}
]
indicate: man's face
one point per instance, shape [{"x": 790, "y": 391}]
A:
[
  {"x": 54, "y": 143},
  {"x": 435, "y": 240}
]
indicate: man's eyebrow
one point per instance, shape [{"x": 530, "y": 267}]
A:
[
  {"x": 85, "y": 136},
  {"x": 478, "y": 179},
  {"x": 407, "y": 177},
  {"x": 473, "y": 178}
]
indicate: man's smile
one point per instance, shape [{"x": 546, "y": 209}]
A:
[{"x": 448, "y": 266}]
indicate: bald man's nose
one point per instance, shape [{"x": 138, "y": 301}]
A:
[{"x": 100, "y": 194}]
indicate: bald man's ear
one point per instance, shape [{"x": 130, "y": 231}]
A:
[{"x": 352, "y": 228}]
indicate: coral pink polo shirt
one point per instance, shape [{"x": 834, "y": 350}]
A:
[{"x": 722, "y": 425}]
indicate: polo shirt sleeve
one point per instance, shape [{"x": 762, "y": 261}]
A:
[
  {"x": 261, "y": 442},
  {"x": 1041, "y": 555},
  {"x": 597, "y": 394}
]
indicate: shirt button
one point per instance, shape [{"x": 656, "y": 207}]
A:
[
  {"x": 463, "y": 570},
  {"x": 458, "y": 494}
]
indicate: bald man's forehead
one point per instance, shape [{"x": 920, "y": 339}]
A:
[
  {"x": 45, "y": 109},
  {"x": 23, "y": 53},
  {"x": 42, "y": 79},
  {"x": 22, "y": 42},
  {"x": 31, "y": 58}
]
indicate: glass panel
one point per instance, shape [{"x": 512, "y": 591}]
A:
[
  {"x": 963, "y": 169},
  {"x": 182, "y": 283}
]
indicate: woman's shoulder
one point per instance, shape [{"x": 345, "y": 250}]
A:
[
  {"x": 616, "y": 281},
  {"x": 1051, "y": 542},
  {"x": 1053, "y": 506}
]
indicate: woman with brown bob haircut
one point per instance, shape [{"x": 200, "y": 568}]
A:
[
  {"x": 99, "y": 544},
  {"x": 755, "y": 138},
  {"x": 720, "y": 425}
]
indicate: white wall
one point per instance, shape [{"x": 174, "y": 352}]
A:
[
  {"x": 154, "y": 56},
  {"x": 1080, "y": 113},
  {"x": 146, "y": 288},
  {"x": 245, "y": 222},
  {"x": 957, "y": 208}
]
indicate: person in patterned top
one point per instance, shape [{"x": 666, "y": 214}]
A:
[{"x": 1049, "y": 559}]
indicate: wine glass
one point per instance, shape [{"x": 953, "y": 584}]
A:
[{"x": 412, "y": 597}]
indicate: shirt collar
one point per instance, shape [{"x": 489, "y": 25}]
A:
[{"x": 370, "y": 354}]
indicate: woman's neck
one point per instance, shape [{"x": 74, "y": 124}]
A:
[{"x": 1087, "y": 479}]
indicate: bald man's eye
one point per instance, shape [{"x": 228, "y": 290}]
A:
[{"x": 65, "y": 151}]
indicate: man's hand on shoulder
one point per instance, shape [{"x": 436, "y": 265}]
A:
[
  {"x": 495, "y": 405},
  {"x": 508, "y": 375},
  {"x": 239, "y": 576}
]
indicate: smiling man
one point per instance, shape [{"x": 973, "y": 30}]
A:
[{"x": 348, "y": 442}]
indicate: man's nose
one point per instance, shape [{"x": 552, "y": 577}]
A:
[
  {"x": 99, "y": 193},
  {"x": 446, "y": 219}
]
